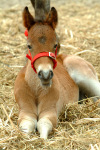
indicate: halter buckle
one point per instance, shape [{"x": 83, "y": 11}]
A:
[{"x": 51, "y": 56}]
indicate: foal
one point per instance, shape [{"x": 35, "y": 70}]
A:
[{"x": 48, "y": 82}]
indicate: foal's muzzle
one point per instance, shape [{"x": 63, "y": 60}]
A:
[{"x": 45, "y": 77}]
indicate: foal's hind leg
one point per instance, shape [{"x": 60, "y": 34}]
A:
[{"x": 84, "y": 75}]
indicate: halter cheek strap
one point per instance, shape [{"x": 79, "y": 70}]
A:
[{"x": 42, "y": 54}]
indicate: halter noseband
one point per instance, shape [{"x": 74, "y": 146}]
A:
[{"x": 42, "y": 54}]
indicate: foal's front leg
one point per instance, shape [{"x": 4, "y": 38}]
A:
[
  {"x": 47, "y": 120},
  {"x": 47, "y": 111},
  {"x": 27, "y": 109}
]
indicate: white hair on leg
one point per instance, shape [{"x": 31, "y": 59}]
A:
[
  {"x": 44, "y": 127},
  {"x": 28, "y": 125}
]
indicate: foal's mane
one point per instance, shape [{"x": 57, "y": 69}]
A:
[{"x": 42, "y": 8}]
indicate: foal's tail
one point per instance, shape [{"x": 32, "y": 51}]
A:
[{"x": 42, "y": 8}]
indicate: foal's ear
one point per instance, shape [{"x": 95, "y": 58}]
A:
[
  {"x": 28, "y": 19},
  {"x": 52, "y": 18}
]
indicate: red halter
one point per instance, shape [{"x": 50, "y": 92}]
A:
[{"x": 42, "y": 54}]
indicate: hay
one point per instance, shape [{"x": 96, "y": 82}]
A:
[{"x": 79, "y": 32}]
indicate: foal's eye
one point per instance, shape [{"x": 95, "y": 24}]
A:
[
  {"x": 55, "y": 46},
  {"x": 29, "y": 46}
]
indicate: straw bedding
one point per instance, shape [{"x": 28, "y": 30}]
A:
[{"x": 79, "y": 33}]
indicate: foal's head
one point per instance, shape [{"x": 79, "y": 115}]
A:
[{"x": 42, "y": 38}]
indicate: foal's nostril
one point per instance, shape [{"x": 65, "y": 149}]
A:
[
  {"x": 40, "y": 74},
  {"x": 51, "y": 74}
]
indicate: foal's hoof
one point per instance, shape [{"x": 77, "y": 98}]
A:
[{"x": 27, "y": 126}]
